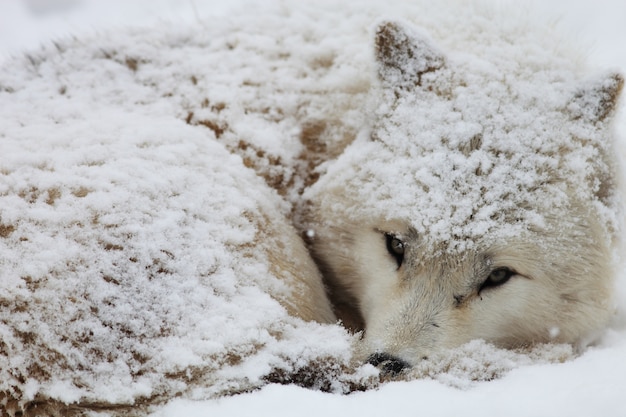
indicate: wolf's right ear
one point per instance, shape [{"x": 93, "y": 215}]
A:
[
  {"x": 596, "y": 99},
  {"x": 403, "y": 56}
]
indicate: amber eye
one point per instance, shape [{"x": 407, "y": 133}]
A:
[
  {"x": 395, "y": 247},
  {"x": 496, "y": 278}
]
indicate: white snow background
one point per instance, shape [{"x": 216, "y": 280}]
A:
[{"x": 592, "y": 384}]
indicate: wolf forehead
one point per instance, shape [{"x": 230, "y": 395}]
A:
[{"x": 463, "y": 148}]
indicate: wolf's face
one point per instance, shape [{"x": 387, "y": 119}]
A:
[
  {"x": 511, "y": 292},
  {"x": 477, "y": 208}
]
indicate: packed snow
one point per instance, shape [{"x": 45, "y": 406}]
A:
[{"x": 115, "y": 163}]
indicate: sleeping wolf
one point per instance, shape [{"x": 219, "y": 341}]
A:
[{"x": 481, "y": 205}]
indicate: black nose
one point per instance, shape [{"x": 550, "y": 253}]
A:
[{"x": 387, "y": 363}]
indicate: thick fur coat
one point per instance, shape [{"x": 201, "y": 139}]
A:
[{"x": 162, "y": 192}]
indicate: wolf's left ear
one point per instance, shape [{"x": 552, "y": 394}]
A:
[
  {"x": 596, "y": 99},
  {"x": 404, "y": 55}
]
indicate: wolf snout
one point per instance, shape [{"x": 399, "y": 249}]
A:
[{"x": 388, "y": 364}]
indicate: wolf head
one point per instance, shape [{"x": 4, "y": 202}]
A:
[{"x": 482, "y": 203}]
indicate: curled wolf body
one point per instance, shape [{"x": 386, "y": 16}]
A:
[
  {"x": 450, "y": 186},
  {"x": 482, "y": 205}
]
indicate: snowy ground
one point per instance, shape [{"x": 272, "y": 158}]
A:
[{"x": 593, "y": 384}]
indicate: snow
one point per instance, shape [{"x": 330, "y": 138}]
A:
[
  {"x": 126, "y": 125},
  {"x": 515, "y": 153}
]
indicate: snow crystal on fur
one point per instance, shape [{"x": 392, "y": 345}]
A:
[
  {"x": 127, "y": 273},
  {"x": 471, "y": 146}
]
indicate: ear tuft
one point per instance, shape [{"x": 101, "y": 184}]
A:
[
  {"x": 404, "y": 55},
  {"x": 597, "y": 99}
]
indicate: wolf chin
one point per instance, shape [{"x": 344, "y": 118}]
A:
[{"x": 482, "y": 205}]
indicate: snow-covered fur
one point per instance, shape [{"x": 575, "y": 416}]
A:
[
  {"x": 149, "y": 179},
  {"x": 140, "y": 259},
  {"x": 482, "y": 205}
]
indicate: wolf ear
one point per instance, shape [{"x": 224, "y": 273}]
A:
[
  {"x": 404, "y": 55},
  {"x": 596, "y": 99}
]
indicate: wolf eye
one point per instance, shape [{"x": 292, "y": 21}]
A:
[
  {"x": 395, "y": 247},
  {"x": 496, "y": 278}
]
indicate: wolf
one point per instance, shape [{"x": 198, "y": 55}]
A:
[{"x": 482, "y": 204}]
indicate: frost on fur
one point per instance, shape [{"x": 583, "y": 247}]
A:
[
  {"x": 483, "y": 204},
  {"x": 403, "y": 56},
  {"x": 145, "y": 219},
  {"x": 596, "y": 100}
]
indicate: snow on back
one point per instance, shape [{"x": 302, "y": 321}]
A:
[
  {"x": 126, "y": 273},
  {"x": 132, "y": 269}
]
